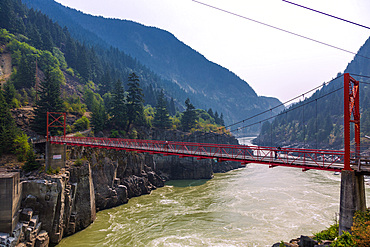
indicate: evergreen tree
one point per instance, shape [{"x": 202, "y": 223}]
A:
[
  {"x": 189, "y": 117},
  {"x": 8, "y": 129},
  {"x": 83, "y": 64},
  {"x": 118, "y": 110},
  {"x": 161, "y": 117},
  {"x": 135, "y": 102},
  {"x": 26, "y": 73},
  {"x": 7, "y": 14},
  {"x": 217, "y": 119},
  {"x": 49, "y": 101},
  {"x": 34, "y": 36},
  {"x": 210, "y": 112},
  {"x": 172, "y": 108},
  {"x": 9, "y": 94},
  {"x": 99, "y": 118},
  {"x": 222, "y": 122},
  {"x": 150, "y": 97},
  {"x": 70, "y": 50},
  {"x": 106, "y": 85}
]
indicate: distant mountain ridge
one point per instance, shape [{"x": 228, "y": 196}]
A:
[{"x": 212, "y": 85}]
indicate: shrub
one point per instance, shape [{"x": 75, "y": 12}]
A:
[
  {"x": 81, "y": 124},
  {"x": 31, "y": 163},
  {"x": 22, "y": 147},
  {"x": 133, "y": 134},
  {"x": 329, "y": 234},
  {"x": 361, "y": 228},
  {"x": 114, "y": 134},
  {"x": 344, "y": 240},
  {"x": 49, "y": 170},
  {"x": 78, "y": 162},
  {"x": 68, "y": 129},
  {"x": 70, "y": 71}
]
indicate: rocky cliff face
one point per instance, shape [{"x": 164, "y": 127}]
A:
[
  {"x": 64, "y": 203},
  {"x": 117, "y": 175},
  {"x": 97, "y": 179}
]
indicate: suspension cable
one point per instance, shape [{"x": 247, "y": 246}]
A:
[
  {"x": 272, "y": 108},
  {"x": 289, "y": 110}
]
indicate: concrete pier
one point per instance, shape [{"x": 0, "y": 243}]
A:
[
  {"x": 352, "y": 198},
  {"x": 55, "y": 156}
]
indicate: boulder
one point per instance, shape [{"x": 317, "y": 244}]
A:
[
  {"x": 305, "y": 241},
  {"x": 42, "y": 239}
]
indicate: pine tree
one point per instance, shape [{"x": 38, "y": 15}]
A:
[
  {"x": 7, "y": 14},
  {"x": 8, "y": 129},
  {"x": 118, "y": 110},
  {"x": 210, "y": 112},
  {"x": 83, "y": 62},
  {"x": 135, "y": 102},
  {"x": 106, "y": 81},
  {"x": 161, "y": 117},
  {"x": 9, "y": 94},
  {"x": 49, "y": 101},
  {"x": 172, "y": 108},
  {"x": 222, "y": 122},
  {"x": 189, "y": 117},
  {"x": 217, "y": 119},
  {"x": 70, "y": 51},
  {"x": 26, "y": 76},
  {"x": 99, "y": 118}
]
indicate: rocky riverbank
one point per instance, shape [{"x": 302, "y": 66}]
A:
[{"x": 303, "y": 241}]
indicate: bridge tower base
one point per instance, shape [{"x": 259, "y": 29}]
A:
[
  {"x": 55, "y": 156},
  {"x": 352, "y": 198}
]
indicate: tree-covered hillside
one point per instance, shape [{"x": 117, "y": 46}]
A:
[
  {"x": 205, "y": 83},
  {"x": 98, "y": 87},
  {"x": 317, "y": 121}
]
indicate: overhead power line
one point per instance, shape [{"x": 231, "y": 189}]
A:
[
  {"x": 280, "y": 29},
  {"x": 354, "y": 23}
]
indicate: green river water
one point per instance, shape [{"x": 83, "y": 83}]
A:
[{"x": 252, "y": 206}]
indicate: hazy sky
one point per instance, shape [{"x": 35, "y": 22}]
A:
[{"x": 274, "y": 63}]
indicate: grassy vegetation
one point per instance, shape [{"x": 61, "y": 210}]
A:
[{"x": 359, "y": 236}]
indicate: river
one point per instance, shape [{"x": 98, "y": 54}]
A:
[{"x": 252, "y": 206}]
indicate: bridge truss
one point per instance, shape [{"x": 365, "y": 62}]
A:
[{"x": 329, "y": 160}]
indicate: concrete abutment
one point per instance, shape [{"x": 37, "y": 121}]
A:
[{"x": 352, "y": 198}]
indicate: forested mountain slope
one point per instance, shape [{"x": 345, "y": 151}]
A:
[
  {"x": 47, "y": 70},
  {"x": 317, "y": 121},
  {"x": 206, "y": 83}
]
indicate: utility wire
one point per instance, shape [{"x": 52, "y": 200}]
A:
[
  {"x": 327, "y": 14},
  {"x": 280, "y": 29}
]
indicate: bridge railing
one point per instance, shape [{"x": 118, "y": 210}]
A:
[{"x": 292, "y": 157}]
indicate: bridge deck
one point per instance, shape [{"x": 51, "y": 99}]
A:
[{"x": 329, "y": 160}]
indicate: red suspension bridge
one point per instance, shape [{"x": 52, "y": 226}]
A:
[{"x": 306, "y": 159}]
